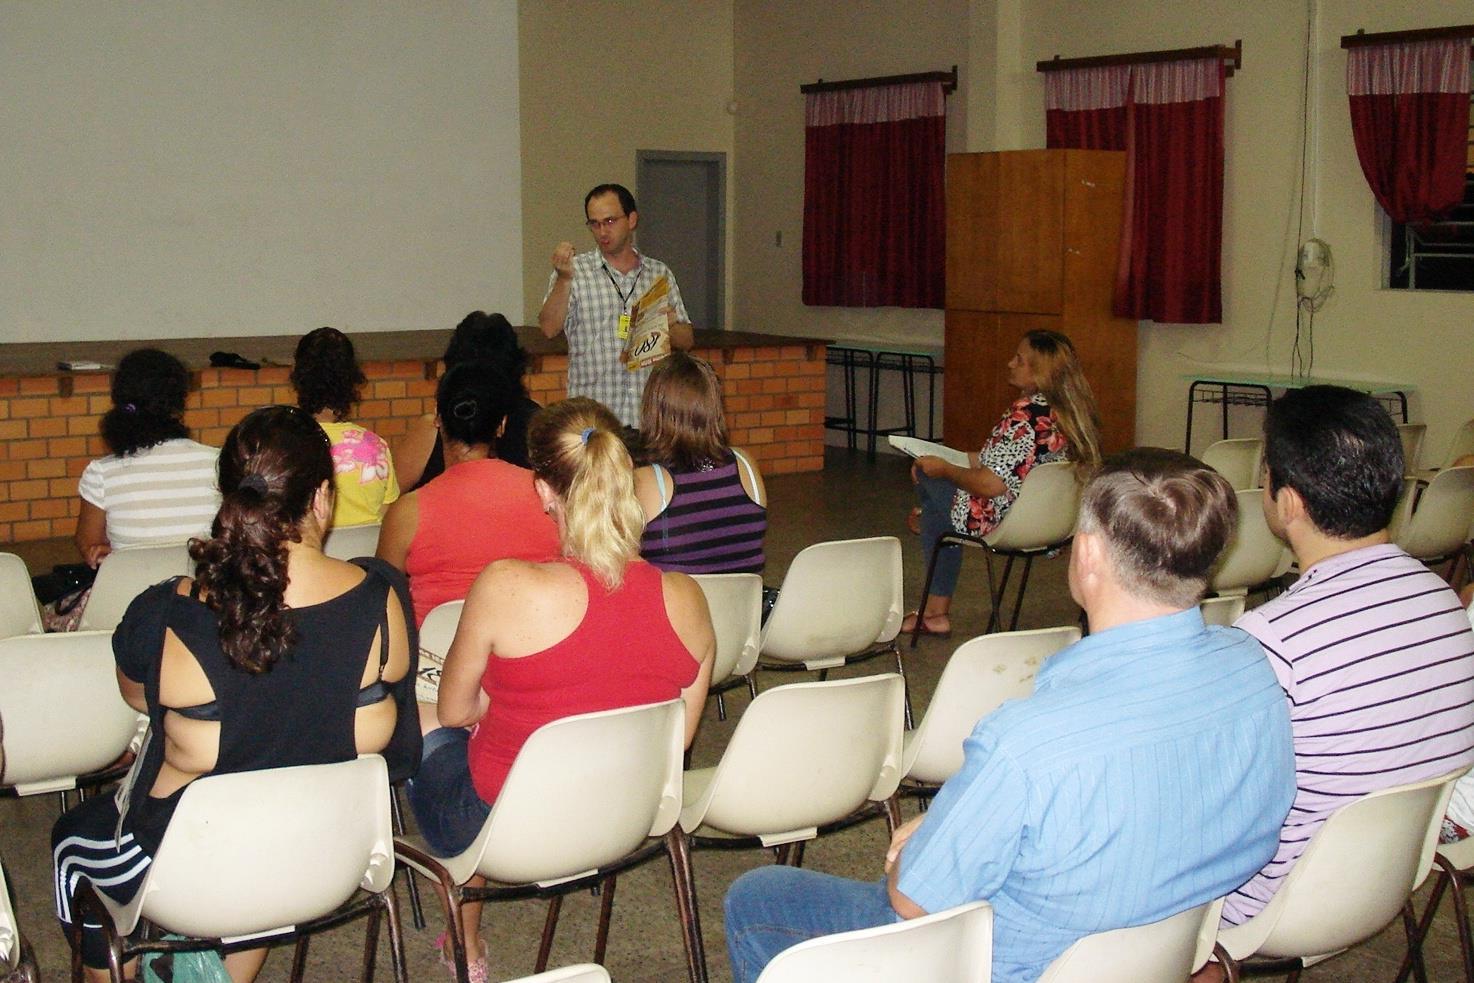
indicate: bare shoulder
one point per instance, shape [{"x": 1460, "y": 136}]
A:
[{"x": 685, "y": 602}]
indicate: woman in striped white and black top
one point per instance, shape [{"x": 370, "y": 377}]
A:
[{"x": 157, "y": 486}]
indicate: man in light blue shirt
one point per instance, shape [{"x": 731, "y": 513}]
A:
[{"x": 1149, "y": 772}]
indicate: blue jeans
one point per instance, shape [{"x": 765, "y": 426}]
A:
[
  {"x": 774, "y": 908},
  {"x": 442, "y": 796},
  {"x": 935, "y": 495}
]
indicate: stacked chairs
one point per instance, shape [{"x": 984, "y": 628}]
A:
[
  {"x": 1039, "y": 523},
  {"x": 805, "y": 759},
  {"x": 980, "y": 675},
  {"x": 736, "y": 604},
  {"x": 258, "y": 855},
  {"x": 19, "y": 612},
  {"x": 840, "y": 603},
  {"x": 581, "y": 803},
  {"x": 124, "y": 574}
]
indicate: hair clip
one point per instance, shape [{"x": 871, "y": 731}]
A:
[
  {"x": 129, "y": 408},
  {"x": 585, "y": 434}
]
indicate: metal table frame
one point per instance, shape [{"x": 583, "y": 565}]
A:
[
  {"x": 1256, "y": 390},
  {"x": 852, "y": 358}
]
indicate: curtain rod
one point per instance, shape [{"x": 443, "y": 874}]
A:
[
  {"x": 948, "y": 80},
  {"x": 1361, "y": 38},
  {"x": 1233, "y": 57}
]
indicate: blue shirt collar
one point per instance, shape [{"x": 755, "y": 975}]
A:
[{"x": 1099, "y": 653}]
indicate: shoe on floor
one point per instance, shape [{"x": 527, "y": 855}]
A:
[{"x": 935, "y": 625}]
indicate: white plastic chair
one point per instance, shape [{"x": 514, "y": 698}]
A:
[
  {"x": 124, "y": 574},
  {"x": 1166, "y": 951},
  {"x": 1461, "y": 445},
  {"x": 840, "y": 603},
  {"x": 19, "y": 612},
  {"x": 1254, "y": 555},
  {"x": 980, "y": 675},
  {"x": 1238, "y": 460},
  {"x": 583, "y": 973},
  {"x": 1455, "y": 863},
  {"x": 579, "y": 805},
  {"x": 1434, "y": 526},
  {"x": 805, "y": 759},
  {"x": 436, "y": 634},
  {"x": 1223, "y": 610},
  {"x": 736, "y": 604},
  {"x": 15, "y": 952},
  {"x": 1411, "y": 435},
  {"x": 351, "y": 542},
  {"x": 65, "y": 721},
  {"x": 1355, "y": 876},
  {"x": 952, "y": 946},
  {"x": 258, "y": 854},
  {"x": 1040, "y": 521}
]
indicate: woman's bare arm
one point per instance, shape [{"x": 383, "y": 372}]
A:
[
  {"x": 685, "y": 605},
  {"x": 91, "y": 534},
  {"x": 412, "y": 450}
]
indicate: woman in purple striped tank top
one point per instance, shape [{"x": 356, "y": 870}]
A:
[{"x": 703, "y": 499}]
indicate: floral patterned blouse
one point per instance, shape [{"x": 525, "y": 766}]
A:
[
  {"x": 363, "y": 474},
  {"x": 1026, "y": 436}
]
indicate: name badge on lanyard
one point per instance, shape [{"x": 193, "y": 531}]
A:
[{"x": 623, "y": 330}]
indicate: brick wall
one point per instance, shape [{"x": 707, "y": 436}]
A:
[{"x": 48, "y": 423}]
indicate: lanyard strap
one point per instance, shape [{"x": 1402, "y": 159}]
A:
[{"x": 624, "y": 298}]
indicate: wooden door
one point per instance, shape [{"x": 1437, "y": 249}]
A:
[
  {"x": 972, "y": 197},
  {"x": 1030, "y": 230}
]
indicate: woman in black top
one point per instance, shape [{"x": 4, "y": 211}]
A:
[{"x": 274, "y": 655}]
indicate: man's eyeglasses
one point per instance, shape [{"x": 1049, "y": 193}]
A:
[{"x": 595, "y": 224}]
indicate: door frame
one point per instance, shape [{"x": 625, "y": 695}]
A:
[{"x": 718, "y": 257}]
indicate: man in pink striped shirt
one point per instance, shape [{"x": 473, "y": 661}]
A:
[{"x": 1372, "y": 649}]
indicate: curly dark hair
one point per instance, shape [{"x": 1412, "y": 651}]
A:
[
  {"x": 483, "y": 337},
  {"x": 325, "y": 373},
  {"x": 148, "y": 402},
  {"x": 271, "y": 466}
]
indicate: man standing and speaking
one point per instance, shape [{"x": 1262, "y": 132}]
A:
[{"x": 589, "y": 299}]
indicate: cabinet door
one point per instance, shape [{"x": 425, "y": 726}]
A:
[
  {"x": 972, "y": 208},
  {"x": 1030, "y": 231}
]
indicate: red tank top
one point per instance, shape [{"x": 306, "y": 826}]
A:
[
  {"x": 474, "y": 513},
  {"x": 623, "y": 654}
]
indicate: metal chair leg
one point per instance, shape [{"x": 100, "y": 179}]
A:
[
  {"x": 683, "y": 876},
  {"x": 931, "y": 569},
  {"x": 1023, "y": 585},
  {"x": 995, "y": 618},
  {"x": 905, "y": 684},
  {"x": 550, "y": 926},
  {"x": 606, "y": 911},
  {"x": 396, "y": 815}
]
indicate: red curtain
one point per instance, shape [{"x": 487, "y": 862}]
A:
[
  {"x": 1168, "y": 117},
  {"x": 1410, "y": 120},
  {"x": 874, "y": 162}
]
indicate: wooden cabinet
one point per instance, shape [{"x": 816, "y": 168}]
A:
[{"x": 1032, "y": 240}]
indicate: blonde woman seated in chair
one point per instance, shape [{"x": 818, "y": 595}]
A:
[
  {"x": 595, "y": 630},
  {"x": 276, "y": 655},
  {"x": 1053, "y": 419}
]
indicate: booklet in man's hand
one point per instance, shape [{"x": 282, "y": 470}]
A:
[{"x": 649, "y": 340}]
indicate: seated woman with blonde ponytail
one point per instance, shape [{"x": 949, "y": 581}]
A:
[
  {"x": 274, "y": 655},
  {"x": 596, "y": 630}
]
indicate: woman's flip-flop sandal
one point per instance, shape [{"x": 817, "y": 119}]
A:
[{"x": 908, "y": 625}]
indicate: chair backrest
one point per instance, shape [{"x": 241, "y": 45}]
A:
[
  {"x": 1355, "y": 875},
  {"x": 124, "y": 574},
  {"x": 19, "y": 612},
  {"x": 1412, "y": 435},
  {"x": 583, "y": 792},
  {"x": 1045, "y": 512},
  {"x": 1461, "y": 445},
  {"x": 258, "y": 851},
  {"x": 1165, "y": 951},
  {"x": 439, "y": 629},
  {"x": 979, "y": 676},
  {"x": 1439, "y": 522},
  {"x": 736, "y": 604},
  {"x": 1254, "y": 553},
  {"x": 838, "y": 598},
  {"x": 805, "y": 755},
  {"x": 1237, "y": 460},
  {"x": 1222, "y": 610},
  {"x": 585, "y": 973},
  {"x": 63, "y": 713},
  {"x": 351, "y": 542},
  {"x": 952, "y": 946}
]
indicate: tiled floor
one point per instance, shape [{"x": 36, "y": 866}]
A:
[{"x": 852, "y": 497}]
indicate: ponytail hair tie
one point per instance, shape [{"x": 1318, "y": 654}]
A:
[
  {"x": 465, "y": 409},
  {"x": 585, "y": 435},
  {"x": 253, "y": 482},
  {"x": 129, "y": 408}
]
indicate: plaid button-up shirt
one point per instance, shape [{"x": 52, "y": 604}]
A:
[{"x": 599, "y": 294}]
